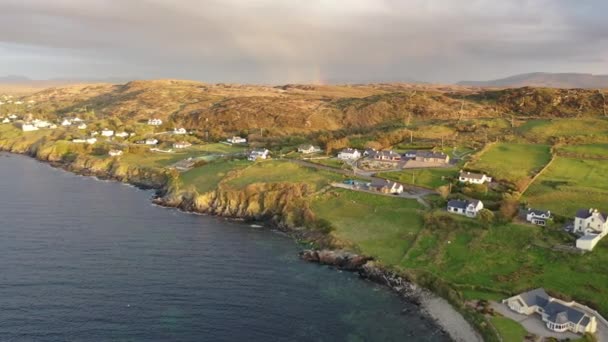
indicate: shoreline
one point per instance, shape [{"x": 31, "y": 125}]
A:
[{"x": 449, "y": 320}]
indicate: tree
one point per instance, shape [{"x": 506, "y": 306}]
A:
[
  {"x": 509, "y": 206},
  {"x": 444, "y": 191},
  {"x": 486, "y": 217}
]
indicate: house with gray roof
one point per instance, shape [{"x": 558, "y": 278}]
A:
[
  {"x": 538, "y": 217},
  {"x": 386, "y": 156},
  {"x": 432, "y": 157},
  {"x": 557, "y": 315},
  {"x": 465, "y": 207}
]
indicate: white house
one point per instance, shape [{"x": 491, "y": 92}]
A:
[
  {"x": 386, "y": 186},
  {"x": 6, "y": 120},
  {"x": 91, "y": 140},
  {"x": 593, "y": 225},
  {"x": 258, "y": 153},
  {"x": 179, "y": 131},
  {"x": 182, "y": 144},
  {"x": 77, "y": 119},
  {"x": 464, "y": 207},
  {"x": 122, "y": 134},
  {"x": 94, "y": 133},
  {"x": 349, "y": 154},
  {"x": 236, "y": 140},
  {"x": 107, "y": 132},
  {"x": 82, "y": 126},
  {"x": 308, "y": 149},
  {"x": 538, "y": 217},
  {"x": 26, "y": 127},
  {"x": 79, "y": 141},
  {"x": 557, "y": 315},
  {"x": 151, "y": 142},
  {"x": 12, "y": 117},
  {"x": 473, "y": 178},
  {"x": 41, "y": 123},
  {"x": 66, "y": 122},
  {"x": 18, "y": 102},
  {"x": 115, "y": 153},
  {"x": 155, "y": 122}
]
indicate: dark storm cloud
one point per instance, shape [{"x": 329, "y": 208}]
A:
[{"x": 291, "y": 41}]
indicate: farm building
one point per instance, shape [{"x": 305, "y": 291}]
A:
[{"x": 432, "y": 157}]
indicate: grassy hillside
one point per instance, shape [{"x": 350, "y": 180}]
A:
[{"x": 222, "y": 109}]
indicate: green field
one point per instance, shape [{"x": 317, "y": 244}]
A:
[
  {"x": 428, "y": 178},
  {"x": 283, "y": 171},
  {"x": 331, "y": 162},
  {"x": 207, "y": 177},
  {"x": 380, "y": 226},
  {"x": 586, "y": 151},
  {"x": 509, "y": 330},
  {"x": 487, "y": 262},
  {"x": 512, "y": 162},
  {"x": 569, "y": 184},
  {"x": 540, "y": 130}
]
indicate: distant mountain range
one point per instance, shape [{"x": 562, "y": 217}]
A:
[
  {"x": 545, "y": 79},
  {"x": 23, "y": 80}
]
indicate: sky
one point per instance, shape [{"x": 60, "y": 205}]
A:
[{"x": 301, "y": 41}]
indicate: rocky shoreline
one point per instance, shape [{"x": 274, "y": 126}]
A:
[{"x": 453, "y": 324}]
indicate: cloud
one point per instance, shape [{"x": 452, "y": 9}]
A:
[{"x": 302, "y": 41}]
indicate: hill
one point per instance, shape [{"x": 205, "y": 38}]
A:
[
  {"x": 222, "y": 109},
  {"x": 543, "y": 79}
]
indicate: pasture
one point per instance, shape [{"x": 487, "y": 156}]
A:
[
  {"x": 380, "y": 226},
  {"x": 510, "y": 161},
  {"x": 569, "y": 184},
  {"x": 274, "y": 171}
]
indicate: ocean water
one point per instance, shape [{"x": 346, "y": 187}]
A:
[{"x": 87, "y": 260}]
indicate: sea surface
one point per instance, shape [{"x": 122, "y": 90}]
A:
[{"x": 88, "y": 260}]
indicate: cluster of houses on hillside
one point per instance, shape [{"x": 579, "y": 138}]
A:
[
  {"x": 590, "y": 225},
  {"x": 558, "y": 315},
  {"x": 419, "y": 156}
]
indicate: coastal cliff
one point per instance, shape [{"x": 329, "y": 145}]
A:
[{"x": 284, "y": 206}]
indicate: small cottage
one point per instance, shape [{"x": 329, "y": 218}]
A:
[
  {"x": 538, "y": 217},
  {"x": 258, "y": 153},
  {"x": 473, "y": 178},
  {"x": 308, "y": 149},
  {"x": 349, "y": 154},
  {"x": 236, "y": 140}
]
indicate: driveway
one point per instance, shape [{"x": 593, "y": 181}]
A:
[{"x": 532, "y": 323}]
